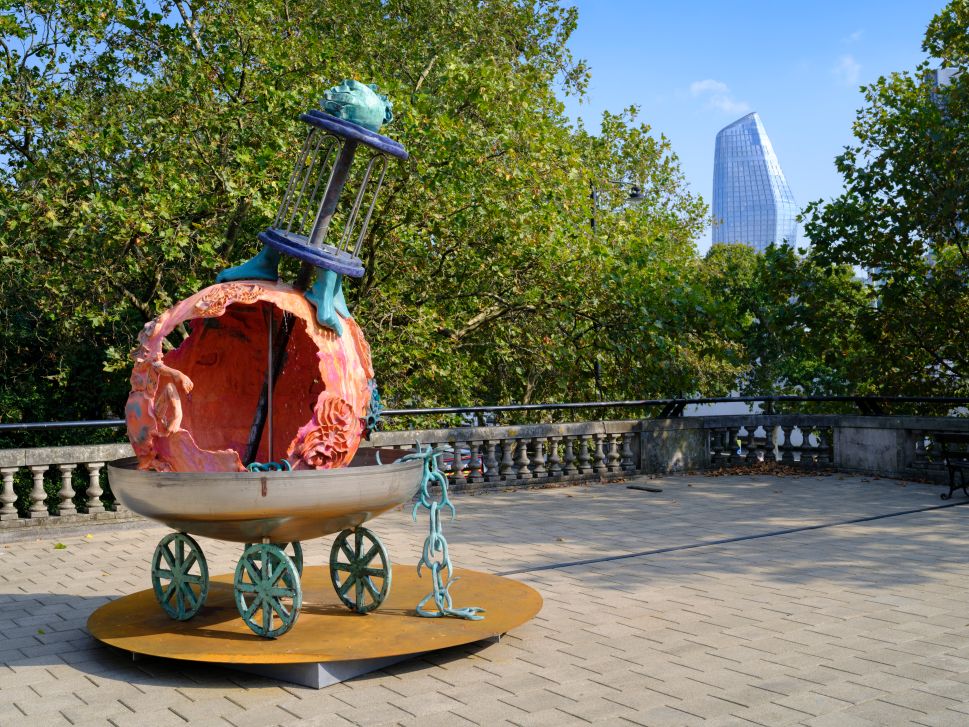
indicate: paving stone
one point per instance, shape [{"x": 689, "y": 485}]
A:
[
  {"x": 838, "y": 719},
  {"x": 43, "y": 707},
  {"x": 812, "y": 703},
  {"x": 209, "y": 710},
  {"x": 439, "y": 719},
  {"x": 662, "y": 717},
  {"x": 427, "y": 704},
  {"x": 99, "y": 711},
  {"x": 945, "y": 718},
  {"x": 261, "y": 717},
  {"x": 11, "y": 714},
  {"x": 883, "y": 713},
  {"x": 596, "y": 709},
  {"x": 155, "y": 718}
]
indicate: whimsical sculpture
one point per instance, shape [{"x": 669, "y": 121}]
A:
[{"x": 270, "y": 368}]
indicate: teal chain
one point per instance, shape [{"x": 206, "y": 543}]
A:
[
  {"x": 374, "y": 410},
  {"x": 282, "y": 465},
  {"x": 435, "y": 553}
]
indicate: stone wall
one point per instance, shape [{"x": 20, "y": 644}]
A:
[{"x": 538, "y": 455}]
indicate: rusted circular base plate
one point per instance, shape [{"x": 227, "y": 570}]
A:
[{"x": 326, "y": 631}]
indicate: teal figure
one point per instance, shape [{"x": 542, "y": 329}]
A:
[
  {"x": 327, "y": 295},
  {"x": 358, "y": 103},
  {"x": 264, "y": 266}
]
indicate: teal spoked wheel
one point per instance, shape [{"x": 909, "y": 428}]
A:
[
  {"x": 179, "y": 576},
  {"x": 267, "y": 590},
  {"x": 360, "y": 570},
  {"x": 296, "y": 555}
]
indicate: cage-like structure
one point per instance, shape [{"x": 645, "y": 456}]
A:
[{"x": 311, "y": 201}]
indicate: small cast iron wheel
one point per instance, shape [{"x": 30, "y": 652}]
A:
[
  {"x": 267, "y": 590},
  {"x": 362, "y": 567},
  {"x": 179, "y": 576}
]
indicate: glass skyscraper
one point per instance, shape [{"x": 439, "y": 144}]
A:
[{"x": 751, "y": 200}]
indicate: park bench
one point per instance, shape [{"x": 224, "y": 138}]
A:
[{"x": 954, "y": 450}]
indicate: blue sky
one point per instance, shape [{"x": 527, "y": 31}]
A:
[{"x": 696, "y": 65}]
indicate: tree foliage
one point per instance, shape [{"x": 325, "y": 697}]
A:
[
  {"x": 903, "y": 217},
  {"x": 796, "y": 322},
  {"x": 144, "y": 144}
]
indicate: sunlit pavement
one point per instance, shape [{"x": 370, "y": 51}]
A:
[{"x": 852, "y": 623}]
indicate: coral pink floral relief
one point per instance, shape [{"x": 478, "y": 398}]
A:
[{"x": 191, "y": 408}]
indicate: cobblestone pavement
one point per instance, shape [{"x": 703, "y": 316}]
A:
[{"x": 843, "y": 625}]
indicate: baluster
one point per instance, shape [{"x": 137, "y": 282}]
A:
[
  {"x": 627, "y": 463},
  {"x": 715, "y": 445},
  {"x": 812, "y": 450},
  {"x": 491, "y": 461},
  {"x": 829, "y": 445},
  {"x": 769, "y": 454},
  {"x": 66, "y": 493},
  {"x": 554, "y": 463},
  {"x": 801, "y": 450},
  {"x": 728, "y": 447},
  {"x": 751, "y": 455},
  {"x": 474, "y": 464},
  {"x": 585, "y": 462},
  {"x": 613, "y": 457},
  {"x": 570, "y": 468},
  {"x": 538, "y": 458},
  {"x": 821, "y": 451},
  {"x": 7, "y": 495},
  {"x": 599, "y": 458},
  {"x": 523, "y": 472},
  {"x": 507, "y": 466},
  {"x": 94, "y": 490},
  {"x": 457, "y": 465},
  {"x": 118, "y": 507},
  {"x": 723, "y": 447},
  {"x": 787, "y": 449},
  {"x": 736, "y": 452},
  {"x": 37, "y": 494}
]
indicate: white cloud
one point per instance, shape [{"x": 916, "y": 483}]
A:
[
  {"x": 698, "y": 88},
  {"x": 718, "y": 96},
  {"x": 729, "y": 105},
  {"x": 853, "y": 37},
  {"x": 847, "y": 70}
]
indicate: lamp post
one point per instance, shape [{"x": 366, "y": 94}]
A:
[{"x": 634, "y": 198}]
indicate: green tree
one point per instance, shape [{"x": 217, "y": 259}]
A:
[
  {"x": 144, "y": 144},
  {"x": 795, "y": 323},
  {"x": 903, "y": 216}
]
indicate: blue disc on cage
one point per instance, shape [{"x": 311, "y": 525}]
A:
[
  {"x": 349, "y": 130},
  {"x": 330, "y": 258}
]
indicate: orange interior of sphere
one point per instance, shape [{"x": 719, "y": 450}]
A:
[{"x": 227, "y": 359}]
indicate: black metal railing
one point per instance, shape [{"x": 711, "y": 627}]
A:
[{"x": 666, "y": 408}]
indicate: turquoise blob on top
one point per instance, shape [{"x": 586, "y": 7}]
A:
[{"x": 358, "y": 103}]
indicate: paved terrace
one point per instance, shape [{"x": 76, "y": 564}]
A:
[{"x": 848, "y": 624}]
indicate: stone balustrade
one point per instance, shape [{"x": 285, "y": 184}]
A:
[
  {"x": 63, "y": 485},
  {"x": 534, "y": 454},
  {"x": 79, "y": 480}
]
